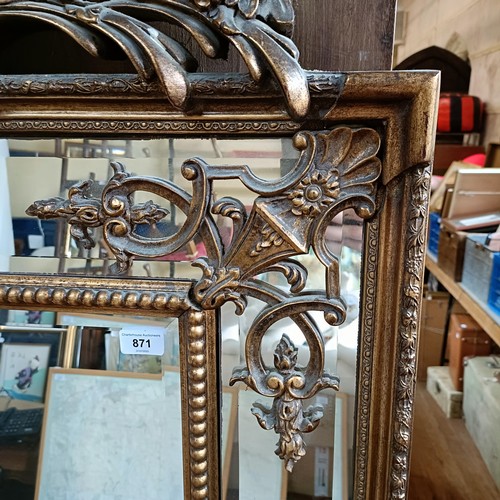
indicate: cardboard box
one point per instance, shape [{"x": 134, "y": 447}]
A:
[
  {"x": 475, "y": 192},
  {"x": 451, "y": 251},
  {"x": 465, "y": 338},
  {"x": 432, "y": 331},
  {"x": 440, "y": 387},
  {"x": 313, "y": 473}
]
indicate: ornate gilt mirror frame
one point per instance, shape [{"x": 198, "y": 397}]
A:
[{"x": 365, "y": 142}]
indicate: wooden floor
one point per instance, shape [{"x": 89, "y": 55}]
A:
[{"x": 445, "y": 464}]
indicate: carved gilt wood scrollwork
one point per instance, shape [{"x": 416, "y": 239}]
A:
[
  {"x": 405, "y": 389},
  {"x": 337, "y": 169},
  {"x": 259, "y": 30}
]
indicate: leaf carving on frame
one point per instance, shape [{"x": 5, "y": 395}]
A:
[
  {"x": 269, "y": 238},
  {"x": 287, "y": 416},
  {"x": 259, "y": 30},
  {"x": 289, "y": 385}
]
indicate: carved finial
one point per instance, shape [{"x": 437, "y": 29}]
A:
[
  {"x": 286, "y": 415},
  {"x": 285, "y": 355}
]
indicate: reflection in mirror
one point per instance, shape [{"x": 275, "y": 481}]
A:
[
  {"x": 326, "y": 469},
  {"x": 46, "y": 169},
  {"x": 81, "y": 388}
]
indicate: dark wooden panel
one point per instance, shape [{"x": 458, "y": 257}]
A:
[
  {"x": 345, "y": 35},
  {"x": 446, "y": 154},
  {"x": 335, "y": 35},
  {"x": 29, "y": 47}
]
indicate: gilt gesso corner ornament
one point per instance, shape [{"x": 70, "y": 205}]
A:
[
  {"x": 258, "y": 29},
  {"x": 286, "y": 415},
  {"x": 337, "y": 169}
]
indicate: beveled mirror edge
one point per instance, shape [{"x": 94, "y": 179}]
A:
[{"x": 398, "y": 106}]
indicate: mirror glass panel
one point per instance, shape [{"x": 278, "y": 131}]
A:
[
  {"x": 75, "y": 393},
  {"x": 326, "y": 470},
  {"x": 44, "y": 169}
]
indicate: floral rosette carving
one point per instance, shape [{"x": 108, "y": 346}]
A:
[
  {"x": 314, "y": 193},
  {"x": 337, "y": 169}
]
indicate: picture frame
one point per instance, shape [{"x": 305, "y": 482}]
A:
[
  {"x": 60, "y": 377},
  {"x": 33, "y": 335},
  {"x": 69, "y": 453},
  {"x": 384, "y": 119},
  {"x": 23, "y": 370},
  {"x": 27, "y": 317}
]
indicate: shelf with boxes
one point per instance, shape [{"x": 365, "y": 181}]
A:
[
  {"x": 478, "y": 404},
  {"x": 481, "y": 409},
  {"x": 461, "y": 250},
  {"x": 486, "y": 317},
  {"x": 448, "y": 335},
  {"x": 469, "y": 386},
  {"x": 461, "y": 325}
]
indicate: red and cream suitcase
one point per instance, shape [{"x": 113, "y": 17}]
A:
[
  {"x": 460, "y": 113},
  {"x": 465, "y": 338}
]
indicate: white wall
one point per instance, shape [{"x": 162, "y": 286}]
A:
[{"x": 433, "y": 22}]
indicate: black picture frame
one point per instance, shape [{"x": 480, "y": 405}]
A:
[{"x": 35, "y": 336}]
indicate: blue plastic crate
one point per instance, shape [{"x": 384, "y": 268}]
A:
[
  {"x": 434, "y": 231},
  {"x": 494, "y": 295},
  {"x": 478, "y": 267},
  {"x": 24, "y": 226}
]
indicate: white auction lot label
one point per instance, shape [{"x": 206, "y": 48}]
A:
[{"x": 142, "y": 340}]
